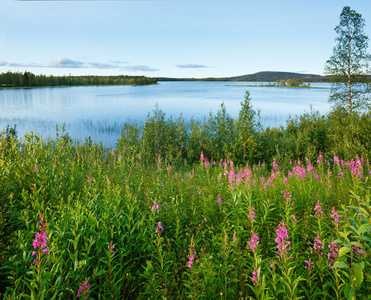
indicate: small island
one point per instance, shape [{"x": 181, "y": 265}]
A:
[{"x": 289, "y": 83}]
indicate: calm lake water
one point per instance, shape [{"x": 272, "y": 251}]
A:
[{"x": 100, "y": 111}]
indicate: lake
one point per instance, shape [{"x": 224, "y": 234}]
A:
[{"x": 100, "y": 111}]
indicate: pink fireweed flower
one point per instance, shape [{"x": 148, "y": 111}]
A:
[
  {"x": 358, "y": 251},
  {"x": 335, "y": 216},
  {"x": 318, "y": 245},
  {"x": 40, "y": 240},
  {"x": 283, "y": 244},
  {"x": 231, "y": 178},
  {"x": 318, "y": 210},
  {"x": 112, "y": 153},
  {"x": 340, "y": 174},
  {"x": 207, "y": 164},
  {"x": 251, "y": 213},
  {"x": 255, "y": 276},
  {"x": 336, "y": 160},
  {"x": 155, "y": 207},
  {"x": 294, "y": 218},
  {"x": 219, "y": 200},
  {"x": 159, "y": 228},
  {"x": 191, "y": 254},
  {"x": 320, "y": 159},
  {"x": 202, "y": 156},
  {"x": 84, "y": 289},
  {"x": 310, "y": 264},
  {"x": 254, "y": 241},
  {"x": 275, "y": 165},
  {"x": 333, "y": 254},
  {"x": 111, "y": 247},
  {"x": 36, "y": 168},
  {"x": 286, "y": 196}
]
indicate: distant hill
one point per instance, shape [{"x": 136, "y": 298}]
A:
[
  {"x": 260, "y": 76},
  {"x": 274, "y": 76}
]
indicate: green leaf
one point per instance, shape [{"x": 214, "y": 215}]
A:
[
  {"x": 349, "y": 292},
  {"x": 356, "y": 244},
  {"x": 364, "y": 228},
  {"x": 340, "y": 265},
  {"x": 343, "y": 251},
  {"x": 358, "y": 275}
]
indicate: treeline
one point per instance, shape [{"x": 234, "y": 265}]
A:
[
  {"x": 28, "y": 79},
  {"x": 245, "y": 141}
]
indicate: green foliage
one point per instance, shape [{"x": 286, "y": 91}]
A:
[
  {"x": 27, "y": 79},
  {"x": 93, "y": 198}
]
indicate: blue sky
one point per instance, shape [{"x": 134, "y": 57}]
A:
[{"x": 172, "y": 38}]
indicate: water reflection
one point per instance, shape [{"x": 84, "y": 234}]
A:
[{"x": 100, "y": 111}]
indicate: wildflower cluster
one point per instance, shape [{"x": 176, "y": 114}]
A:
[
  {"x": 358, "y": 251},
  {"x": 191, "y": 254},
  {"x": 318, "y": 210},
  {"x": 252, "y": 213},
  {"x": 254, "y": 241},
  {"x": 282, "y": 235},
  {"x": 84, "y": 289},
  {"x": 333, "y": 254},
  {"x": 335, "y": 216},
  {"x": 255, "y": 276},
  {"x": 318, "y": 248},
  {"x": 159, "y": 228},
  {"x": 310, "y": 264},
  {"x": 40, "y": 240}
]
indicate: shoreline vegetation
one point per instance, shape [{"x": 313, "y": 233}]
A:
[
  {"x": 30, "y": 80},
  {"x": 223, "y": 209}
]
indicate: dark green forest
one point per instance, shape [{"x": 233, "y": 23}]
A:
[{"x": 28, "y": 79}]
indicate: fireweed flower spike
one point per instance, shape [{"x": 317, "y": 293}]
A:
[
  {"x": 310, "y": 264},
  {"x": 333, "y": 254},
  {"x": 251, "y": 213},
  {"x": 191, "y": 254},
  {"x": 40, "y": 240},
  {"x": 84, "y": 289},
  {"x": 254, "y": 241},
  {"x": 335, "y": 216},
  {"x": 159, "y": 228},
  {"x": 318, "y": 210},
  {"x": 282, "y": 235},
  {"x": 155, "y": 207},
  {"x": 255, "y": 276},
  {"x": 318, "y": 245}
]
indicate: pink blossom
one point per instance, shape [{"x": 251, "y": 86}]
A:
[
  {"x": 254, "y": 241},
  {"x": 318, "y": 245},
  {"x": 251, "y": 213},
  {"x": 282, "y": 235},
  {"x": 310, "y": 264},
  {"x": 335, "y": 216},
  {"x": 159, "y": 228},
  {"x": 294, "y": 218},
  {"x": 255, "y": 276},
  {"x": 84, "y": 289},
  {"x": 333, "y": 254},
  {"x": 358, "y": 251},
  {"x": 318, "y": 210},
  {"x": 155, "y": 207},
  {"x": 219, "y": 200}
]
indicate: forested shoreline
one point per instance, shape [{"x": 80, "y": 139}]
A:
[{"x": 28, "y": 79}]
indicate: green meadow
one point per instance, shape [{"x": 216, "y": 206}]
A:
[{"x": 219, "y": 209}]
